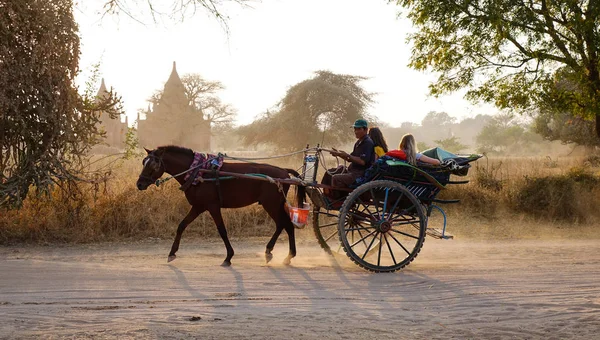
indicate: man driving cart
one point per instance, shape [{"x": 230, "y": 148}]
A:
[{"x": 360, "y": 159}]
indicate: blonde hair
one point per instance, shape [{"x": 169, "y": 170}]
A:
[{"x": 409, "y": 146}]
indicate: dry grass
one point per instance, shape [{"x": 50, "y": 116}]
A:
[
  {"x": 563, "y": 190},
  {"x": 507, "y": 197}
]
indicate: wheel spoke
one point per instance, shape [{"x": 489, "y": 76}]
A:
[
  {"x": 364, "y": 225},
  {"x": 405, "y": 234},
  {"x": 325, "y": 228},
  {"x": 363, "y": 238},
  {"x": 400, "y": 244},
  {"x": 390, "y": 249},
  {"x": 359, "y": 233},
  {"x": 359, "y": 215},
  {"x": 327, "y": 214},
  {"x": 387, "y": 192},
  {"x": 375, "y": 203},
  {"x": 367, "y": 209},
  {"x": 361, "y": 228},
  {"x": 404, "y": 222},
  {"x": 396, "y": 205},
  {"x": 358, "y": 218},
  {"x": 403, "y": 212},
  {"x": 379, "y": 253},
  {"x": 330, "y": 236},
  {"x": 370, "y": 245},
  {"x": 328, "y": 225}
]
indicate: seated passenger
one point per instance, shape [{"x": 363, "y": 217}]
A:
[
  {"x": 408, "y": 148},
  {"x": 380, "y": 144}
]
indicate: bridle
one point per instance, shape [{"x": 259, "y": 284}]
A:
[{"x": 159, "y": 160}]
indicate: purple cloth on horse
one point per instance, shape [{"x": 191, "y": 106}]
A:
[{"x": 204, "y": 161}]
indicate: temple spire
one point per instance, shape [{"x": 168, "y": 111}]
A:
[
  {"x": 174, "y": 80},
  {"x": 102, "y": 90}
]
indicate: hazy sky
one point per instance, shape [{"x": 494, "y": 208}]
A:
[{"x": 270, "y": 47}]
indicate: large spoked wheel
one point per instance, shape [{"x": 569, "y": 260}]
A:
[
  {"x": 325, "y": 226},
  {"x": 382, "y": 226}
]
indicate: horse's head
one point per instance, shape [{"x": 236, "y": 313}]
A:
[{"x": 153, "y": 169}]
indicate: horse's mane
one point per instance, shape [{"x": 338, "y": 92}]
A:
[{"x": 177, "y": 149}]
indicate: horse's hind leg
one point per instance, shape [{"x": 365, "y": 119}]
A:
[
  {"x": 189, "y": 218},
  {"x": 289, "y": 229},
  {"x": 282, "y": 220},
  {"x": 271, "y": 244},
  {"x": 215, "y": 212}
]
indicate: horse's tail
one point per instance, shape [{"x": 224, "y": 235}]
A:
[{"x": 300, "y": 190}]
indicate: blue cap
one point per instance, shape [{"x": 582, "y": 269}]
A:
[{"x": 360, "y": 123}]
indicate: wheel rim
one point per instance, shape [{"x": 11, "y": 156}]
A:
[
  {"x": 383, "y": 226},
  {"x": 325, "y": 226}
]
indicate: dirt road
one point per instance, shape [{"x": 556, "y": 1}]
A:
[{"x": 454, "y": 289}]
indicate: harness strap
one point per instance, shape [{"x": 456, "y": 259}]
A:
[
  {"x": 218, "y": 186},
  {"x": 190, "y": 179}
]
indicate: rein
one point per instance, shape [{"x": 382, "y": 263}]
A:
[{"x": 160, "y": 181}]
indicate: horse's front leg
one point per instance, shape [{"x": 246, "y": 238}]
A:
[
  {"x": 189, "y": 218},
  {"x": 215, "y": 212}
]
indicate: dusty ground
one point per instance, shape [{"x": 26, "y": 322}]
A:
[{"x": 454, "y": 289}]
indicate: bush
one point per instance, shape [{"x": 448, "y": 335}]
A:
[
  {"x": 487, "y": 177},
  {"x": 474, "y": 200},
  {"x": 592, "y": 161},
  {"x": 569, "y": 197}
]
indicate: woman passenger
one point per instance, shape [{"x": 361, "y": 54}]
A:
[
  {"x": 380, "y": 144},
  {"x": 409, "y": 146}
]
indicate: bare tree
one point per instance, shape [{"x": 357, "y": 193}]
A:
[
  {"x": 216, "y": 112},
  {"x": 174, "y": 9},
  {"x": 202, "y": 97}
]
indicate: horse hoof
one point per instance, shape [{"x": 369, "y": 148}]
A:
[
  {"x": 226, "y": 263},
  {"x": 268, "y": 257},
  {"x": 171, "y": 258},
  {"x": 287, "y": 261}
]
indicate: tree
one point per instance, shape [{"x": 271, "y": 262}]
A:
[
  {"x": 451, "y": 144},
  {"x": 438, "y": 124},
  {"x": 506, "y": 134},
  {"x": 566, "y": 128},
  {"x": 512, "y": 53},
  {"x": 422, "y": 146},
  {"x": 317, "y": 110},
  {"x": 408, "y": 126},
  {"x": 436, "y": 120},
  {"x": 46, "y": 127},
  {"x": 171, "y": 9}
]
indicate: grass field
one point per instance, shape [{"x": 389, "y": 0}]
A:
[{"x": 506, "y": 197}]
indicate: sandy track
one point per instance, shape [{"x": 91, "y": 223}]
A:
[{"x": 454, "y": 289}]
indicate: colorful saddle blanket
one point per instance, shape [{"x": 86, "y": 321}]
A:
[{"x": 203, "y": 161}]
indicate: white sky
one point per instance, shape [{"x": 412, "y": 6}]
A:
[{"x": 271, "y": 47}]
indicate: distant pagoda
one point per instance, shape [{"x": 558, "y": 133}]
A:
[
  {"x": 114, "y": 128},
  {"x": 172, "y": 120}
]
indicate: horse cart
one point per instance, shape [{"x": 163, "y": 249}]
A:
[{"x": 380, "y": 223}]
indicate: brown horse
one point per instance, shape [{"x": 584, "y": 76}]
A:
[{"x": 231, "y": 193}]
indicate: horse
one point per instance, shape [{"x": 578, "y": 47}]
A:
[{"x": 214, "y": 195}]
